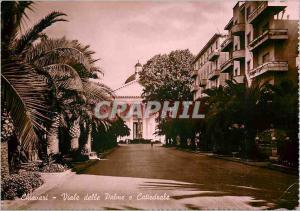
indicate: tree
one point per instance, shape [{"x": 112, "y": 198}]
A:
[
  {"x": 236, "y": 109},
  {"x": 284, "y": 110},
  {"x": 23, "y": 90},
  {"x": 106, "y": 138},
  {"x": 167, "y": 78},
  {"x": 70, "y": 68},
  {"x": 46, "y": 78}
]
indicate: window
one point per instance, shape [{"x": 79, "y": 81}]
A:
[
  {"x": 235, "y": 72},
  {"x": 248, "y": 38},
  {"x": 236, "y": 47},
  {"x": 248, "y": 65},
  {"x": 266, "y": 57}
]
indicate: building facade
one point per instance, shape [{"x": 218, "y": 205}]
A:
[
  {"x": 272, "y": 42},
  {"x": 207, "y": 66},
  {"x": 131, "y": 92},
  {"x": 261, "y": 46}
]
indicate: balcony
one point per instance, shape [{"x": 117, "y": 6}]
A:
[
  {"x": 194, "y": 88},
  {"x": 203, "y": 82},
  {"x": 227, "y": 66},
  {"x": 239, "y": 79},
  {"x": 271, "y": 34},
  {"x": 238, "y": 55},
  {"x": 194, "y": 73},
  {"x": 238, "y": 29},
  {"x": 213, "y": 74},
  {"x": 266, "y": 8},
  {"x": 274, "y": 66},
  {"x": 213, "y": 55},
  {"x": 227, "y": 44}
]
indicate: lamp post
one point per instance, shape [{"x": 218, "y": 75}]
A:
[{"x": 274, "y": 155}]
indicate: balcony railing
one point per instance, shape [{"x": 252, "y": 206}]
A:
[
  {"x": 203, "y": 82},
  {"x": 227, "y": 65},
  {"x": 258, "y": 10},
  {"x": 213, "y": 74},
  {"x": 275, "y": 66},
  {"x": 238, "y": 54},
  {"x": 239, "y": 78},
  {"x": 194, "y": 73},
  {"x": 238, "y": 29},
  {"x": 226, "y": 44},
  {"x": 195, "y": 88},
  {"x": 274, "y": 7},
  {"x": 213, "y": 55},
  {"x": 271, "y": 34}
]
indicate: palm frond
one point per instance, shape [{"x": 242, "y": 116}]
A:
[
  {"x": 97, "y": 91},
  {"x": 23, "y": 92},
  {"x": 32, "y": 34},
  {"x": 65, "y": 76},
  {"x": 53, "y": 51},
  {"x": 12, "y": 13}
]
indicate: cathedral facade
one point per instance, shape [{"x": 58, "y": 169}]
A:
[{"x": 131, "y": 92}]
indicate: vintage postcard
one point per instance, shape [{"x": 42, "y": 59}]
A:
[{"x": 150, "y": 105}]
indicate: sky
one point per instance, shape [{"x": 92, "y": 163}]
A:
[{"x": 123, "y": 32}]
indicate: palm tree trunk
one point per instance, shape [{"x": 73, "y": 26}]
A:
[
  {"x": 52, "y": 138},
  {"x": 74, "y": 134},
  {"x": 88, "y": 144}
]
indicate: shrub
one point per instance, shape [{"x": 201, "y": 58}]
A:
[
  {"x": 53, "y": 167},
  {"x": 16, "y": 185}
]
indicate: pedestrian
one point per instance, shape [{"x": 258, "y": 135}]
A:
[{"x": 152, "y": 142}]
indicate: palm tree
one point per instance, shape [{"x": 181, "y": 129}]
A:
[
  {"x": 70, "y": 67},
  {"x": 236, "y": 108},
  {"x": 23, "y": 89},
  {"x": 284, "y": 109}
]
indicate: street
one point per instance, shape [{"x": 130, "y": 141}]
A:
[{"x": 141, "y": 177}]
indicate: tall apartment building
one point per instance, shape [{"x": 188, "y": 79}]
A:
[
  {"x": 261, "y": 46},
  {"x": 271, "y": 42},
  {"x": 207, "y": 73},
  {"x": 234, "y": 45}
]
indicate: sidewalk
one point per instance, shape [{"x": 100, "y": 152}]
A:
[
  {"x": 51, "y": 180},
  {"x": 263, "y": 164}
]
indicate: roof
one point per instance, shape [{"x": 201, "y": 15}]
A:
[
  {"x": 131, "y": 78},
  {"x": 138, "y": 64},
  {"x": 212, "y": 39},
  {"x": 229, "y": 24},
  {"x": 131, "y": 89}
]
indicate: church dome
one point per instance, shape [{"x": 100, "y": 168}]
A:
[
  {"x": 131, "y": 78},
  {"x": 138, "y": 64},
  {"x": 135, "y": 76}
]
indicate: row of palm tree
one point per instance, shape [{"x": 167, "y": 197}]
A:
[
  {"x": 237, "y": 114},
  {"x": 47, "y": 83}
]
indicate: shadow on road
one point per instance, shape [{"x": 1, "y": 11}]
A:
[{"x": 203, "y": 175}]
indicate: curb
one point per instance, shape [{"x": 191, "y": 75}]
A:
[
  {"x": 104, "y": 154},
  {"x": 266, "y": 165},
  {"x": 93, "y": 162}
]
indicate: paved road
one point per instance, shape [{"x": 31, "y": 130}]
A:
[{"x": 178, "y": 179}]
